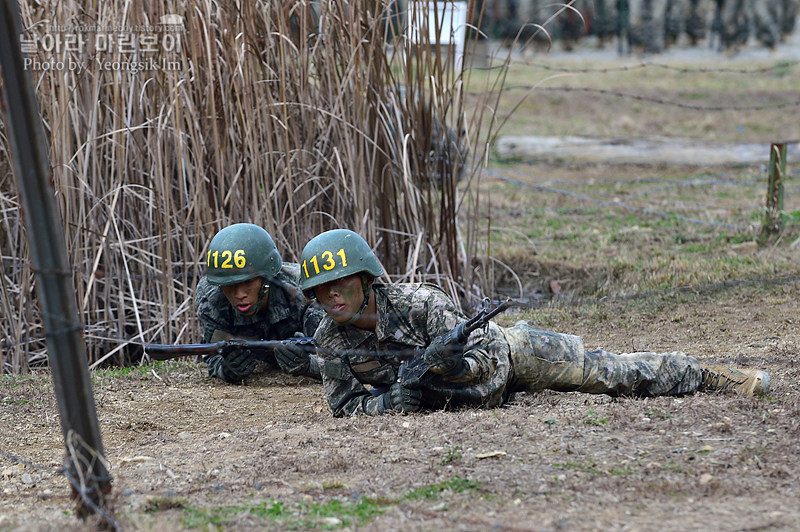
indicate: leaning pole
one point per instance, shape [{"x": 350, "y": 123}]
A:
[{"x": 84, "y": 463}]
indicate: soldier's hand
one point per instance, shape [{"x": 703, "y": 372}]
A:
[
  {"x": 443, "y": 358},
  {"x": 292, "y": 358},
  {"x": 400, "y": 398},
  {"x": 237, "y": 365}
]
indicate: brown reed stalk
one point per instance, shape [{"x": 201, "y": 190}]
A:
[{"x": 298, "y": 116}]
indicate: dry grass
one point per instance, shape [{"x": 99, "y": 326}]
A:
[
  {"x": 723, "y": 100},
  {"x": 190, "y": 453},
  {"x": 303, "y": 117},
  {"x": 296, "y": 116}
]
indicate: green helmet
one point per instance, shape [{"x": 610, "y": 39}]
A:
[
  {"x": 239, "y": 253},
  {"x": 333, "y": 255}
]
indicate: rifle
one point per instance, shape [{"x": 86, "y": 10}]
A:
[
  {"x": 414, "y": 367},
  {"x": 261, "y": 349}
]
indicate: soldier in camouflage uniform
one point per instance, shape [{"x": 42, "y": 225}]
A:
[
  {"x": 370, "y": 326},
  {"x": 731, "y": 22},
  {"x": 248, "y": 292},
  {"x": 767, "y": 16},
  {"x": 789, "y": 17},
  {"x": 647, "y": 19},
  {"x": 694, "y": 13}
]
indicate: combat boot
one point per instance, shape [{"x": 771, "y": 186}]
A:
[{"x": 746, "y": 382}]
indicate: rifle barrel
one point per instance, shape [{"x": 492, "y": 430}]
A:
[
  {"x": 168, "y": 352},
  {"x": 482, "y": 317}
]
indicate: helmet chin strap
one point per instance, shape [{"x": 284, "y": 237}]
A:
[
  {"x": 367, "y": 289},
  {"x": 261, "y": 293}
]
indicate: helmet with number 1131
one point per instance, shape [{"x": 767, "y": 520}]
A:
[{"x": 334, "y": 255}]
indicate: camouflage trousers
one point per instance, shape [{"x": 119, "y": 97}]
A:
[
  {"x": 767, "y": 16},
  {"x": 543, "y": 360}
]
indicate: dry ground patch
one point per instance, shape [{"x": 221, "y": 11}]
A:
[{"x": 187, "y": 452}]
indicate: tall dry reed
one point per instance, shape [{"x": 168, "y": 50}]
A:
[{"x": 298, "y": 116}]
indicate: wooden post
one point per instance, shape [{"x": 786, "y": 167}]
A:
[
  {"x": 773, "y": 217},
  {"x": 84, "y": 463}
]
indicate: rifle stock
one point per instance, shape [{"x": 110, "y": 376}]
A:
[{"x": 261, "y": 349}]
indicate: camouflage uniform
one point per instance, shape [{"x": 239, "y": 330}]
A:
[
  {"x": 604, "y": 21},
  {"x": 695, "y": 15},
  {"x": 285, "y": 314},
  {"x": 731, "y": 23},
  {"x": 767, "y": 16},
  {"x": 647, "y": 19},
  {"x": 789, "y": 17},
  {"x": 358, "y": 364}
]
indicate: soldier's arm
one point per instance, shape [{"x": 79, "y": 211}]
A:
[
  {"x": 312, "y": 316},
  {"x": 441, "y": 316},
  {"x": 344, "y": 394},
  {"x": 481, "y": 354}
]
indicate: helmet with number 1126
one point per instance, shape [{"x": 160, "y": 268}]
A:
[{"x": 241, "y": 252}]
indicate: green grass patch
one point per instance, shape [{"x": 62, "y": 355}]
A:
[
  {"x": 453, "y": 455},
  {"x": 332, "y": 514},
  {"x": 784, "y": 68},
  {"x": 589, "y": 467},
  {"x": 622, "y": 472},
  {"x": 792, "y": 217},
  {"x": 593, "y": 419},
  {"x": 105, "y": 375},
  {"x": 455, "y": 485},
  {"x": 672, "y": 467},
  {"x": 660, "y": 414},
  {"x": 34, "y": 378},
  {"x": 18, "y": 402}
]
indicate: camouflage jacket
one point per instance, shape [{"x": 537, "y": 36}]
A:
[
  {"x": 287, "y": 312},
  {"x": 410, "y": 315}
]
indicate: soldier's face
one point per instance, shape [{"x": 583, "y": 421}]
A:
[
  {"x": 341, "y": 298},
  {"x": 244, "y": 296}
]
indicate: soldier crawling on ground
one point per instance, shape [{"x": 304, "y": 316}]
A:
[
  {"x": 248, "y": 292},
  {"x": 368, "y": 324}
]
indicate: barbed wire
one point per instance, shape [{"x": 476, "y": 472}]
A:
[
  {"x": 707, "y": 288},
  {"x": 672, "y": 184},
  {"x": 19, "y": 460},
  {"x": 633, "y": 164},
  {"x": 660, "y": 101},
  {"x": 692, "y": 184},
  {"x": 613, "y": 203},
  {"x": 79, "y": 486},
  {"x": 779, "y": 66},
  {"x": 723, "y": 176}
]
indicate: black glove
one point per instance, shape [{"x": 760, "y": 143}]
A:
[
  {"x": 444, "y": 359},
  {"x": 292, "y": 358},
  {"x": 237, "y": 365},
  {"x": 401, "y": 399}
]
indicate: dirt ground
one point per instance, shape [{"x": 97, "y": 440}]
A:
[
  {"x": 188, "y": 452},
  {"x": 551, "y": 461}
]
